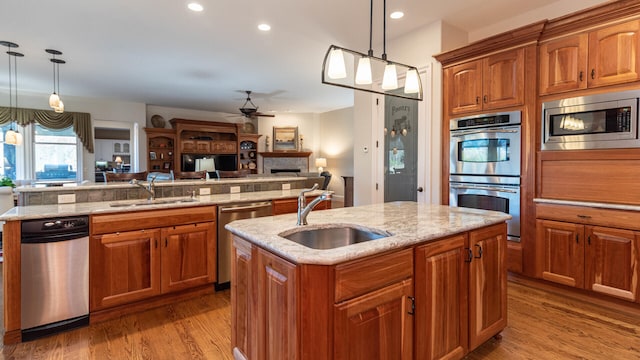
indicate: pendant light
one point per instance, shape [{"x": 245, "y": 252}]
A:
[
  {"x": 54, "y": 100},
  {"x": 13, "y": 137},
  {"x": 338, "y": 61}
]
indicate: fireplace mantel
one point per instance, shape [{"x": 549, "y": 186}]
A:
[{"x": 286, "y": 154}]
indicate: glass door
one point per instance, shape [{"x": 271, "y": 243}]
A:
[{"x": 400, "y": 149}]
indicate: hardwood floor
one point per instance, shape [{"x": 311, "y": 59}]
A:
[{"x": 542, "y": 325}]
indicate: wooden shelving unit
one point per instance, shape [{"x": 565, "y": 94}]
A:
[{"x": 160, "y": 149}]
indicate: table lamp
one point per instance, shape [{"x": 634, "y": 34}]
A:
[{"x": 321, "y": 163}]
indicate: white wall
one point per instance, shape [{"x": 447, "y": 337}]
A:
[{"x": 336, "y": 145}]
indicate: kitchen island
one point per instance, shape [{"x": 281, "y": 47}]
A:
[{"x": 433, "y": 287}]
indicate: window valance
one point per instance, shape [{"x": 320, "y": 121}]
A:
[{"x": 81, "y": 121}]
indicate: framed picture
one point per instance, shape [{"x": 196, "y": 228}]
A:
[
  {"x": 285, "y": 138},
  {"x": 152, "y": 155},
  {"x": 167, "y": 165}
]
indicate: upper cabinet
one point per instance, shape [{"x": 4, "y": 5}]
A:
[
  {"x": 493, "y": 82},
  {"x": 601, "y": 57}
]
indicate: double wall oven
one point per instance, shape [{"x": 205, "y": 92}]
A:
[{"x": 484, "y": 166}]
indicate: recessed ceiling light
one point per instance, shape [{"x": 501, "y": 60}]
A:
[
  {"x": 264, "y": 27},
  {"x": 195, "y": 7},
  {"x": 396, "y": 15}
]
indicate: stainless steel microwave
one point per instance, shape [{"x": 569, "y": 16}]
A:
[{"x": 600, "y": 121}]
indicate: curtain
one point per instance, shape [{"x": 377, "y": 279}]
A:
[{"x": 81, "y": 121}]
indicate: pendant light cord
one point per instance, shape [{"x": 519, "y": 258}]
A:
[
  {"x": 370, "y": 53},
  {"x": 15, "y": 82},
  {"x": 384, "y": 30},
  {"x": 10, "y": 85}
]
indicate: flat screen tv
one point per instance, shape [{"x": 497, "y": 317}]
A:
[{"x": 227, "y": 162}]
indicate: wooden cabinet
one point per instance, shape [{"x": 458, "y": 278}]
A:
[
  {"x": 188, "y": 256},
  {"x": 290, "y": 206},
  {"x": 487, "y": 284},
  {"x": 584, "y": 255},
  {"x": 601, "y": 57},
  {"x": 204, "y": 138},
  {"x": 494, "y": 82},
  {"x": 369, "y": 308},
  {"x": 378, "y": 325},
  {"x": 277, "y": 307},
  {"x": 141, "y": 255},
  {"x": 441, "y": 299},
  {"x": 160, "y": 148},
  {"x": 461, "y": 292},
  {"x": 124, "y": 267},
  {"x": 249, "y": 152}
]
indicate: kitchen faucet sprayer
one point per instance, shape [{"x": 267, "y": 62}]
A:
[{"x": 303, "y": 211}]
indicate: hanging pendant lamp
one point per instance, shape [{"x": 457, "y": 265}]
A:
[
  {"x": 372, "y": 74},
  {"x": 13, "y": 137},
  {"x": 54, "y": 99}
]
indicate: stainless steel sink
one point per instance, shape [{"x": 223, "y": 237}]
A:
[
  {"x": 333, "y": 237},
  {"x": 153, "y": 202}
]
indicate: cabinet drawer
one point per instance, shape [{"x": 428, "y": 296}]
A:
[
  {"x": 227, "y": 147},
  {"x": 362, "y": 276},
  {"x": 126, "y": 221},
  {"x": 590, "y": 216}
]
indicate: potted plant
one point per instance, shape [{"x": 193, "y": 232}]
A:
[{"x": 6, "y": 181}]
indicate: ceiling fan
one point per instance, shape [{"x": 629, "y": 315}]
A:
[{"x": 250, "y": 110}]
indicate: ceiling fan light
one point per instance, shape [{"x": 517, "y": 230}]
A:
[
  {"x": 411, "y": 84},
  {"x": 59, "y": 108},
  {"x": 390, "y": 78},
  {"x": 337, "y": 69},
  {"x": 363, "y": 74},
  {"x": 54, "y": 100}
]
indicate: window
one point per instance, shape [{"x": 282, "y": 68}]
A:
[
  {"x": 8, "y": 153},
  {"x": 55, "y": 153}
]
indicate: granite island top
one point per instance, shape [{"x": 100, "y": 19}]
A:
[
  {"x": 408, "y": 222},
  {"x": 105, "y": 207}
]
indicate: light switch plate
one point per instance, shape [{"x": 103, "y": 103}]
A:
[
  {"x": 234, "y": 189},
  {"x": 66, "y": 198},
  {"x": 286, "y": 186},
  {"x": 205, "y": 191}
]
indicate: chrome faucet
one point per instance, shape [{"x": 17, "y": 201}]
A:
[
  {"x": 150, "y": 188},
  {"x": 303, "y": 211}
]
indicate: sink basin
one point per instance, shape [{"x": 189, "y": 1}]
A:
[
  {"x": 153, "y": 202},
  {"x": 333, "y": 237}
]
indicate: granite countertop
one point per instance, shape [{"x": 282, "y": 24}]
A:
[
  {"x": 408, "y": 222},
  {"x": 588, "y": 204},
  {"x": 74, "y": 209}
]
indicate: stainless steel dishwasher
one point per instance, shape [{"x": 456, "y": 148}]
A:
[
  {"x": 54, "y": 255},
  {"x": 227, "y": 214}
]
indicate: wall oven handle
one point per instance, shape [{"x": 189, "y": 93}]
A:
[
  {"x": 484, "y": 131},
  {"x": 481, "y": 187}
]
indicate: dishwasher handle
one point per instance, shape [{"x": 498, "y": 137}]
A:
[{"x": 250, "y": 207}]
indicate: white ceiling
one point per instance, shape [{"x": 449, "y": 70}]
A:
[{"x": 161, "y": 53}]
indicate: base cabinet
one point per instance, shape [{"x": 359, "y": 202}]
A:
[
  {"x": 600, "y": 259},
  {"x": 129, "y": 266},
  {"x": 379, "y": 307}
]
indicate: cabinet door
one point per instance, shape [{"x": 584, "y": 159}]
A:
[
  {"x": 243, "y": 316},
  {"x": 463, "y": 87},
  {"x": 503, "y": 80},
  {"x": 487, "y": 283},
  {"x": 188, "y": 256},
  {"x": 125, "y": 267},
  {"x": 613, "y": 54},
  {"x": 563, "y": 64},
  {"x": 613, "y": 262},
  {"x": 562, "y": 251},
  {"x": 378, "y": 325},
  {"x": 277, "y": 332},
  {"x": 441, "y": 299}
]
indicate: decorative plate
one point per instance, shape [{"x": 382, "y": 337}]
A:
[
  {"x": 157, "y": 121},
  {"x": 248, "y": 128},
  {"x": 252, "y": 165}
]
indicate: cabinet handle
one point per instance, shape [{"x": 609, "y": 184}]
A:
[
  {"x": 589, "y": 240},
  {"x": 469, "y": 255},
  {"x": 584, "y": 216},
  {"x": 581, "y": 75},
  {"x": 156, "y": 243},
  {"x": 479, "y": 251},
  {"x": 166, "y": 242},
  {"x": 577, "y": 236},
  {"x": 413, "y": 305},
  {"x": 477, "y": 100},
  {"x": 485, "y": 99},
  {"x": 593, "y": 73}
]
